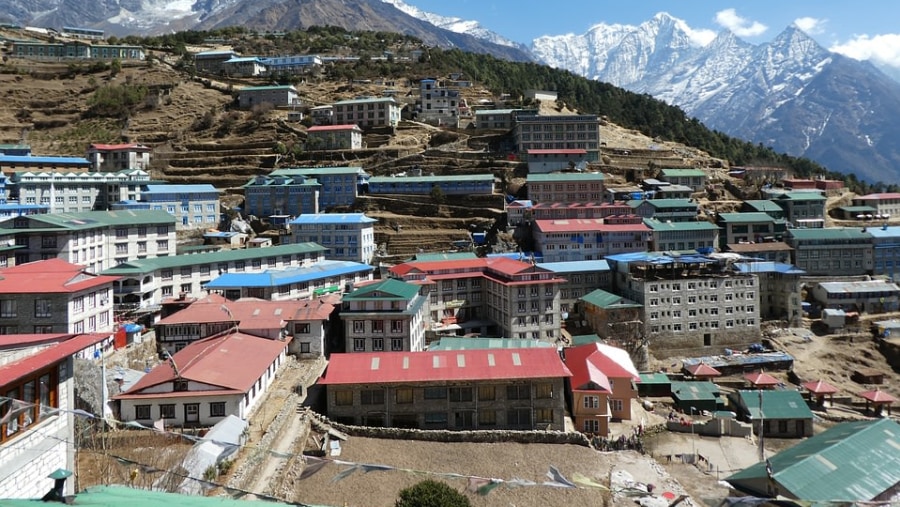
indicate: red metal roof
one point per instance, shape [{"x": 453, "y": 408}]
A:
[
  {"x": 566, "y": 151},
  {"x": 232, "y": 361},
  {"x": 248, "y": 312},
  {"x": 49, "y": 356},
  {"x": 878, "y": 197},
  {"x": 702, "y": 369},
  {"x": 49, "y": 276},
  {"x": 587, "y": 225},
  {"x": 819, "y": 387},
  {"x": 119, "y": 147},
  {"x": 324, "y": 128},
  {"x": 761, "y": 378},
  {"x": 439, "y": 366},
  {"x": 17, "y": 341},
  {"x": 597, "y": 362},
  {"x": 878, "y": 396}
]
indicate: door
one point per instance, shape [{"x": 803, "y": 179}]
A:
[{"x": 191, "y": 413}]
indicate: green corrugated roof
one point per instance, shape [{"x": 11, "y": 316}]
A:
[
  {"x": 699, "y": 390},
  {"x": 746, "y": 218},
  {"x": 852, "y": 461},
  {"x": 141, "y": 266},
  {"x": 802, "y": 196},
  {"x": 566, "y": 177},
  {"x": 831, "y": 233},
  {"x": 583, "y": 339},
  {"x": 91, "y": 219},
  {"x": 655, "y": 379},
  {"x": 602, "y": 299},
  {"x": 659, "y": 225},
  {"x": 461, "y": 343},
  {"x": 271, "y": 87},
  {"x": 313, "y": 171},
  {"x": 763, "y": 205},
  {"x": 857, "y": 209},
  {"x": 431, "y": 179},
  {"x": 682, "y": 172},
  {"x": 388, "y": 290},
  {"x": 117, "y": 496},
  {"x": 777, "y": 404}
]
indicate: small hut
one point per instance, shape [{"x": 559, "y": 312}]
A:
[
  {"x": 876, "y": 400},
  {"x": 761, "y": 380},
  {"x": 818, "y": 390},
  {"x": 701, "y": 371}
]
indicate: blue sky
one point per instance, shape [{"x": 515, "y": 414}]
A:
[{"x": 867, "y": 30}]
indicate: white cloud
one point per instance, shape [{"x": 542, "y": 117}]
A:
[
  {"x": 812, "y": 26},
  {"x": 882, "y": 49},
  {"x": 700, "y": 36},
  {"x": 742, "y": 27}
]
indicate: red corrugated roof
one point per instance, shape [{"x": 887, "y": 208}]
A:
[
  {"x": 232, "y": 361},
  {"x": 49, "y": 276},
  {"x": 49, "y": 356},
  {"x": 597, "y": 363},
  {"x": 878, "y": 197},
  {"x": 761, "y": 378},
  {"x": 250, "y": 312},
  {"x": 702, "y": 369},
  {"x": 442, "y": 366},
  {"x": 322, "y": 128},
  {"x": 819, "y": 387},
  {"x": 878, "y": 396},
  {"x": 16, "y": 341},
  {"x": 587, "y": 225}
]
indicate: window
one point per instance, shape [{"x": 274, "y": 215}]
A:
[
  {"x": 378, "y": 326},
  {"x": 460, "y": 394},
  {"x": 487, "y": 418},
  {"x": 396, "y": 326},
  {"x": 616, "y": 405},
  {"x": 164, "y": 245},
  {"x": 396, "y": 344},
  {"x": 435, "y": 393},
  {"x": 166, "y": 274},
  {"x": 142, "y": 412},
  {"x": 543, "y": 391},
  {"x": 167, "y": 411},
  {"x": 436, "y": 418},
  {"x": 377, "y": 344},
  {"x": 7, "y": 308},
  {"x": 343, "y": 398},
  {"x": 591, "y": 426},
  {"x": 372, "y": 397},
  {"x": 518, "y": 417},
  {"x": 217, "y": 409},
  {"x": 543, "y": 416},
  {"x": 359, "y": 326},
  {"x": 304, "y": 348},
  {"x": 591, "y": 401},
  {"x": 487, "y": 393},
  {"x": 403, "y": 396},
  {"x": 42, "y": 307},
  {"x": 518, "y": 392},
  {"x": 359, "y": 344},
  {"x": 301, "y": 328}
]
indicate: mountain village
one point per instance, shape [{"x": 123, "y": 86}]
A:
[{"x": 429, "y": 280}]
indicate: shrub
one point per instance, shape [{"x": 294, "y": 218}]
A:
[{"x": 431, "y": 494}]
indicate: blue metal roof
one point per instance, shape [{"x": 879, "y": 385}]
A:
[
  {"x": 27, "y": 159},
  {"x": 891, "y": 231},
  {"x": 333, "y": 218},
  {"x": 768, "y": 267},
  {"x": 661, "y": 258},
  {"x": 180, "y": 189},
  {"x": 220, "y": 234},
  {"x": 575, "y": 266},
  {"x": 278, "y": 278}
]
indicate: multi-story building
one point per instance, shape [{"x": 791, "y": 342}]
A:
[
  {"x": 40, "y": 50},
  {"x": 867, "y": 296},
  {"x": 680, "y": 236},
  {"x": 581, "y": 277},
  {"x": 193, "y": 206},
  {"x": 293, "y": 64},
  {"x": 538, "y": 132},
  {"x": 886, "y": 204},
  {"x": 276, "y": 95},
  {"x": 145, "y": 283},
  {"x": 211, "y": 61},
  {"x": 565, "y": 187},
  {"x": 334, "y": 137},
  {"x": 501, "y": 119},
  {"x": 886, "y": 251},
  {"x": 753, "y": 227},
  {"x": 470, "y": 184},
  {"x": 306, "y": 322},
  {"x": 97, "y": 240},
  {"x": 281, "y": 195},
  {"x": 494, "y": 296},
  {"x": 226, "y": 374},
  {"x": 387, "y": 313},
  {"x": 112, "y": 158},
  {"x": 318, "y": 279},
  {"x": 612, "y": 317},
  {"x": 517, "y": 389},
  {"x": 834, "y": 251},
  {"x": 438, "y": 105},
  {"x": 692, "y": 303},
  {"x": 520, "y": 212},
  {"x": 766, "y": 206},
  {"x": 675, "y": 210},
  {"x": 368, "y": 112},
  {"x": 348, "y": 236},
  {"x": 38, "y": 438},
  {"x": 602, "y": 386},
  {"x": 589, "y": 239},
  {"x": 243, "y": 66},
  {"x": 803, "y": 209},
  {"x": 548, "y": 161},
  {"x": 694, "y": 178},
  {"x": 76, "y": 192},
  {"x": 339, "y": 185},
  {"x": 779, "y": 289},
  {"x": 54, "y": 296},
  {"x": 13, "y": 163}
]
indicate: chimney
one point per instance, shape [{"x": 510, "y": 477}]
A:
[{"x": 58, "y": 493}]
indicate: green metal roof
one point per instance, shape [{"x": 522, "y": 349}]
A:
[
  {"x": 850, "y": 462},
  {"x": 802, "y": 196},
  {"x": 695, "y": 391},
  {"x": 461, "y": 343},
  {"x": 655, "y": 379},
  {"x": 314, "y": 171},
  {"x": 431, "y": 179},
  {"x": 682, "y": 172},
  {"x": 92, "y": 219},
  {"x": 763, "y": 205},
  {"x": 857, "y": 209},
  {"x": 117, "y": 496},
  {"x": 752, "y": 217},
  {"x": 602, "y": 299},
  {"x": 830, "y": 233},
  {"x": 385, "y": 290},
  {"x": 777, "y": 404},
  {"x": 141, "y": 266},
  {"x": 583, "y": 339},
  {"x": 659, "y": 225},
  {"x": 551, "y": 177}
]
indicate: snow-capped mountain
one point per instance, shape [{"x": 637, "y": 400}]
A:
[
  {"x": 457, "y": 25},
  {"x": 790, "y": 93}
]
